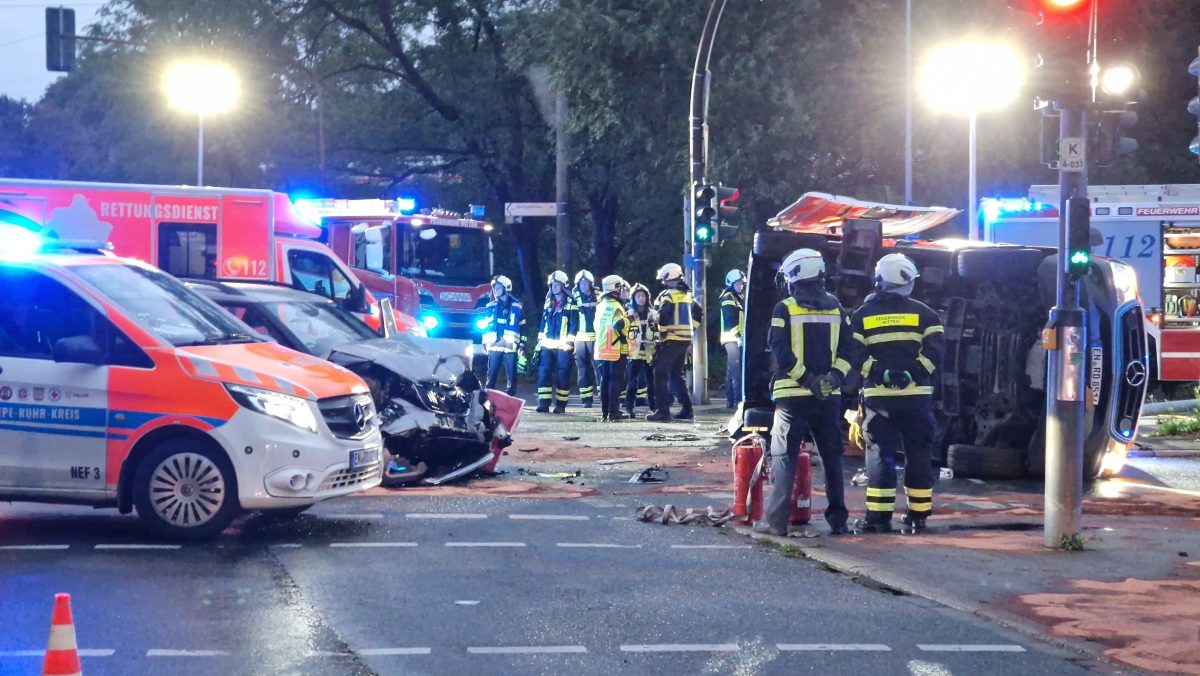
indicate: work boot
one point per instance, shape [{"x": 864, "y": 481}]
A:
[
  {"x": 605, "y": 418},
  {"x": 684, "y": 414},
  {"x": 629, "y": 413},
  {"x": 560, "y": 408},
  {"x": 661, "y": 415},
  {"x": 587, "y": 403},
  {"x": 912, "y": 523},
  {"x": 767, "y": 529},
  {"x": 543, "y": 407},
  {"x": 837, "y": 527},
  {"x": 865, "y": 527}
]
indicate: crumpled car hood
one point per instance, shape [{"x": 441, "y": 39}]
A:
[{"x": 412, "y": 357}]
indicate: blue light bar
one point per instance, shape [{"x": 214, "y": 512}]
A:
[
  {"x": 406, "y": 205},
  {"x": 993, "y": 209},
  {"x": 18, "y": 242},
  {"x": 430, "y": 322}
]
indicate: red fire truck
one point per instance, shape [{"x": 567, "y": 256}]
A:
[
  {"x": 1153, "y": 228},
  {"x": 213, "y": 233},
  {"x": 435, "y": 265}
]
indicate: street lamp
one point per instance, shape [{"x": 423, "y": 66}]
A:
[
  {"x": 970, "y": 78},
  {"x": 201, "y": 88}
]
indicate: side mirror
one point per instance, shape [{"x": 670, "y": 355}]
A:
[
  {"x": 356, "y": 300},
  {"x": 78, "y": 350}
]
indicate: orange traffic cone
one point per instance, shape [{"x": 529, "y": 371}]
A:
[{"x": 62, "y": 656}]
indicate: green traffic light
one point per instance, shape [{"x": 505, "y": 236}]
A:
[
  {"x": 1080, "y": 257},
  {"x": 702, "y": 233}
]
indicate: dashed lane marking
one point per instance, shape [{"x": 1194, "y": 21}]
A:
[
  {"x": 137, "y": 547},
  {"x": 712, "y": 546},
  {"x": 525, "y": 650},
  {"x": 822, "y": 647},
  {"x": 681, "y": 648},
  {"x": 435, "y": 515},
  {"x": 171, "y": 652},
  {"x": 969, "y": 648},
  {"x": 466, "y": 603},
  {"x": 595, "y": 545},
  {"x": 371, "y": 544},
  {"x": 34, "y": 548},
  {"x": 83, "y": 652},
  {"x": 547, "y": 517},
  {"x": 385, "y": 652},
  {"x": 485, "y": 544}
]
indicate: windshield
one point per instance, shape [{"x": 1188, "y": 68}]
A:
[
  {"x": 446, "y": 255},
  {"x": 320, "y": 327},
  {"x": 164, "y": 306}
]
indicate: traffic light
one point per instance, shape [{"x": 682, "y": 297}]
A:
[
  {"x": 60, "y": 39},
  {"x": 704, "y": 213},
  {"x": 727, "y": 211},
  {"x": 1079, "y": 237},
  {"x": 1194, "y": 105},
  {"x": 1110, "y": 142},
  {"x": 1061, "y": 38}
]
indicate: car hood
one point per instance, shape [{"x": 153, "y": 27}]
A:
[
  {"x": 413, "y": 357},
  {"x": 272, "y": 367},
  {"x": 823, "y": 213}
]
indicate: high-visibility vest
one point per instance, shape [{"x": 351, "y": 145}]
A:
[
  {"x": 798, "y": 318},
  {"x": 611, "y": 330},
  {"x": 584, "y": 327},
  {"x": 733, "y": 317},
  {"x": 554, "y": 333},
  {"x": 641, "y": 335},
  {"x": 675, "y": 315},
  {"x": 504, "y": 323}
]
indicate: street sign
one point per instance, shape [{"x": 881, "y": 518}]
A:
[
  {"x": 1072, "y": 154},
  {"x": 516, "y": 209}
]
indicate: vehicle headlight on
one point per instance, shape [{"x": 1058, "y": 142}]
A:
[
  {"x": 282, "y": 406},
  {"x": 1125, "y": 280}
]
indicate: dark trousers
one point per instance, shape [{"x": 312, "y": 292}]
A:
[
  {"x": 889, "y": 429},
  {"x": 508, "y": 360},
  {"x": 638, "y": 382},
  {"x": 612, "y": 381},
  {"x": 796, "y": 419},
  {"x": 554, "y": 378},
  {"x": 668, "y": 371},
  {"x": 733, "y": 374},
  {"x": 585, "y": 367}
]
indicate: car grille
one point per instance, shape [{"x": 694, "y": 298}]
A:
[
  {"x": 345, "y": 478},
  {"x": 1131, "y": 375},
  {"x": 339, "y": 414}
]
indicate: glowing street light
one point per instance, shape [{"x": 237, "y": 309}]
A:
[
  {"x": 971, "y": 77},
  {"x": 202, "y": 89},
  {"x": 1118, "y": 80}
]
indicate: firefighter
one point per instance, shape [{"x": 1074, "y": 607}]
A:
[
  {"x": 502, "y": 335},
  {"x": 676, "y": 311},
  {"x": 612, "y": 346},
  {"x": 810, "y": 338},
  {"x": 733, "y": 317},
  {"x": 554, "y": 374},
  {"x": 642, "y": 336},
  {"x": 899, "y": 345},
  {"x": 583, "y": 334}
]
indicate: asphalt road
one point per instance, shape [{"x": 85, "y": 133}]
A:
[{"x": 402, "y": 585}]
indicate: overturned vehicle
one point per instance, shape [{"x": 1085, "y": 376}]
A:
[
  {"x": 994, "y": 300},
  {"x": 438, "y": 421}
]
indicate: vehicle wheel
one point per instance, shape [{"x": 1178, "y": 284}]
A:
[
  {"x": 184, "y": 490},
  {"x": 285, "y": 514},
  {"x": 985, "y": 462},
  {"x": 989, "y": 264}
]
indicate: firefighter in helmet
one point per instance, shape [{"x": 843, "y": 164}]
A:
[
  {"x": 643, "y": 331},
  {"x": 612, "y": 346},
  {"x": 502, "y": 335},
  {"x": 899, "y": 345},
  {"x": 676, "y": 311},
  {"x": 733, "y": 317},
  {"x": 810, "y": 339},
  {"x": 583, "y": 334},
  {"x": 554, "y": 374}
]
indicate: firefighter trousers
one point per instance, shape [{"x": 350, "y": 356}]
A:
[
  {"x": 733, "y": 374},
  {"x": 668, "y": 371},
  {"x": 638, "y": 382},
  {"x": 889, "y": 429},
  {"x": 585, "y": 367},
  {"x": 797, "y": 419},
  {"x": 507, "y": 360},
  {"x": 612, "y": 381},
  {"x": 554, "y": 379}
]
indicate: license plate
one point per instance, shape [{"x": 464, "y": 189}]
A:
[
  {"x": 364, "y": 457},
  {"x": 1097, "y": 374}
]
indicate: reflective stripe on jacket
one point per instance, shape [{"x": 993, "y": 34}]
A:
[
  {"x": 554, "y": 333},
  {"x": 583, "y": 317},
  {"x": 808, "y": 343},
  {"x": 677, "y": 313},
  {"x": 733, "y": 317},
  {"x": 505, "y": 320},
  {"x": 642, "y": 334},
  {"x": 897, "y": 333},
  {"x": 612, "y": 337}
]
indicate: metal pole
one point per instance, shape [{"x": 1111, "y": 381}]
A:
[
  {"x": 972, "y": 200},
  {"x": 562, "y": 227},
  {"x": 1065, "y": 382},
  {"x": 200, "y": 150},
  {"x": 908, "y": 87}
]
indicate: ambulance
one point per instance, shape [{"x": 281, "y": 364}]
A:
[
  {"x": 1155, "y": 229},
  {"x": 120, "y": 387},
  {"x": 208, "y": 233}
]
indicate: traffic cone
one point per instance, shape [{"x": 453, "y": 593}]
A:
[{"x": 62, "y": 656}]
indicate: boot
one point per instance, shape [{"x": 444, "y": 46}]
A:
[
  {"x": 629, "y": 413},
  {"x": 543, "y": 406},
  {"x": 912, "y": 523},
  {"x": 587, "y": 403},
  {"x": 560, "y": 408},
  {"x": 661, "y": 415},
  {"x": 605, "y": 418},
  {"x": 684, "y": 414},
  {"x": 766, "y": 528},
  {"x": 865, "y": 527}
]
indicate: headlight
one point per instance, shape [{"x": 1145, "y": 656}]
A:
[
  {"x": 283, "y": 406},
  {"x": 1125, "y": 279}
]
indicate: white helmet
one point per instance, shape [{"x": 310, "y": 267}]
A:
[
  {"x": 895, "y": 272},
  {"x": 612, "y": 283},
  {"x": 584, "y": 274},
  {"x": 670, "y": 272},
  {"x": 733, "y": 277},
  {"x": 502, "y": 281},
  {"x": 801, "y": 265},
  {"x": 557, "y": 276}
]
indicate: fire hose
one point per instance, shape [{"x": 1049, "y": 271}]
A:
[{"x": 668, "y": 514}]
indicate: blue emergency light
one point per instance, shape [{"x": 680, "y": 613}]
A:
[
  {"x": 19, "y": 242},
  {"x": 995, "y": 208},
  {"x": 482, "y": 323},
  {"x": 430, "y": 321},
  {"x": 406, "y": 205}
]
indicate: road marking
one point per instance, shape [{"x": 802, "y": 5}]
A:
[
  {"x": 443, "y": 515},
  {"x": 169, "y": 652},
  {"x": 466, "y": 603},
  {"x": 719, "y": 496},
  {"x": 596, "y": 545},
  {"x": 681, "y": 648},
  {"x": 83, "y": 652},
  {"x": 138, "y": 546},
  {"x": 34, "y": 548},
  {"x": 712, "y": 546},
  {"x": 364, "y": 517},
  {"x": 525, "y": 650},
  {"x": 485, "y": 544},
  {"x": 547, "y": 517},
  {"x": 818, "y": 647},
  {"x": 372, "y": 544},
  {"x": 968, "y": 648},
  {"x": 383, "y": 652}
]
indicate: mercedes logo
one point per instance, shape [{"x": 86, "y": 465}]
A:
[
  {"x": 360, "y": 415},
  {"x": 1135, "y": 374}
]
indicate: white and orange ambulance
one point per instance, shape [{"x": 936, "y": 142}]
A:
[{"x": 121, "y": 387}]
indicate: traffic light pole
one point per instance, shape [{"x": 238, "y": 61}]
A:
[{"x": 1065, "y": 339}]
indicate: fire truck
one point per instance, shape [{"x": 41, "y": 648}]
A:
[
  {"x": 1153, "y": 228},
  {"x": 202, "y": 232},
  {"x": 436, "y": 265}
]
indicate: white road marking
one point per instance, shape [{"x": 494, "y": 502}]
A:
[
  {"x": 719, "y": 496},
  {"x": 818, "y": 647},
  {"x": 466, "y": 603},
  {"x": 712, "y": 546},
  {"x": 83, "y": 652},
  {"x": 444, "y": 515},
  {"x": 985, "y": 504},
  {"x": 372, "y": 544},
  {"x": 364, "y": 517},
  {"x": 596, "y": 545},
  {"x": 969, "y": 648},
  {"x": 138, "y": 546},
  {"x": 382, "y": 652},
  {"x": 681, "y": 648},
  {"x": 525, "y": 650},
  {"x": 485, "y": 544},
  {"x": 170, "y": 652},
  {"x": 34, "y": 548},
  {"x": 547, "y": 517}
]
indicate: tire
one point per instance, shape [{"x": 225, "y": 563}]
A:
[
  {"x": 989, "y": 264},
  {"x": 185, "y": 490},
  {"x": 985, "y": 462}
]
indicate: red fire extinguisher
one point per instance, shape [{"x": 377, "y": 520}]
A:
[
  {"x": 748, "y": 478},
  {"x": 802, "y": 489}
]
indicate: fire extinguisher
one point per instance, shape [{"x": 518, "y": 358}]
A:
[
  {"x": 748, "y": 478},
  {"x": 802, "y": 489}
]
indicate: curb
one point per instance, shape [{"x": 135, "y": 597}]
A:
[{"x": 854, "y": 567}]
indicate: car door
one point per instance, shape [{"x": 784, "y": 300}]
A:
[{"x": 53, "y": 414}]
